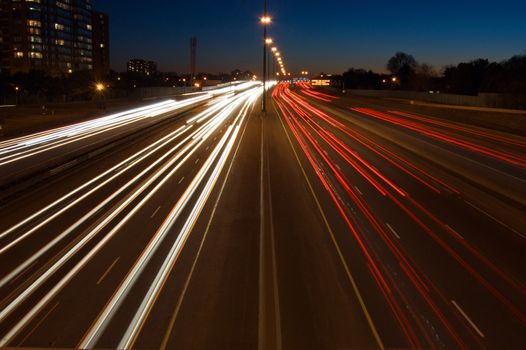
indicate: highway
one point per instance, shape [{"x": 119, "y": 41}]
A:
[
  {"x": 430, "y": 214},
  {"x": 325, "y": 223}
]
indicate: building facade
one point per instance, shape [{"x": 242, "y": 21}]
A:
[
  {"x": 140, "y": 66},
  {"x": 54, "y": 36},
  {"x": 101, "y": 45}
]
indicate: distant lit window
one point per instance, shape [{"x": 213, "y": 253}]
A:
[
  {"x": 37, "y": 55},
  {"x": 101, "y": 46},
  {"x": 59, "y": 42},
  {"x": 88, "y": 26},
  {"x": 59, "y": 26},
  {"x": 35, "y": 39},
  {"x": 34, "y": 31},
  {"x": 19, "y": 54}
]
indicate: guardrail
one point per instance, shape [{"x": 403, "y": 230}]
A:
[{"x": 487, "y": 100}]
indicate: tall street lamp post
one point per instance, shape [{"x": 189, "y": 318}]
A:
[{"x": 265, "y": 20}]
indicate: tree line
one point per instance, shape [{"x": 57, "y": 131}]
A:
[{"x": 468, "y": 78}]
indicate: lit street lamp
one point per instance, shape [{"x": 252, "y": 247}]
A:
[{"x": 100, "y": 87}]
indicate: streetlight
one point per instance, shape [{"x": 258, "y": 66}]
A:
[
  {"x": 274, "y": 49},
  {"x": 268, "y": 41},
  {"x": 265, "y": 20},
  {"x": 16, "y": 91},
  {"x": 394, "y": 79},
  {"x": 100, "y": 91}
]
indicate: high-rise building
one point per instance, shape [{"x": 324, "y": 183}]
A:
[
  {"x": 55, "y": 36},
  {"x": 101, "y": 45},
  {"x": 140, "y": 66}
]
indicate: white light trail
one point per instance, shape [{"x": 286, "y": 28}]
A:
[{"x": 193, "y": 145}]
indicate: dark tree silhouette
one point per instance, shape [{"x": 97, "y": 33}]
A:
[
  {"x": 361, "y": 79},
  {"x": 399, "y": 61},
  {"x": 404, "y": 66}
]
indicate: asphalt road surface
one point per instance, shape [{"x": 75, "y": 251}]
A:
[{"x": 324, "y": 223}]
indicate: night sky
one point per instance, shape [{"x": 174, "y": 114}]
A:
[{"x": 327, "y": 35}]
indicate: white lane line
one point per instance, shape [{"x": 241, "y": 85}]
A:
[
  {"x": 494, "y": 218},
  {"x": 181, "y": 180},
  {"x": 108, "y": 270},
  {"x": 155, "y": 212},
  {"x": 337, "y": 166},
  {"x": 454, "y": 231},
  {"x": 207, "y": 147},
  {"x": 357, "y": 189},
  {"x": 392, "y": 230},
  {"x": 38, "y": 324},
  {"x": 467, "y": 318},
  {"x": 197, "y": 161}
]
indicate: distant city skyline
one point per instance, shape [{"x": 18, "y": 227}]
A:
[{"x": 310, "y": 34}]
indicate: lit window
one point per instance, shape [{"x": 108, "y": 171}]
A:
[
  {"x": 101, "y": 46},
  {"x": 19, "y": 54},
  {"x": 34, "y": 23},
  {"x": 88, "y": 26},
  {"x": 59, "y": 26}
]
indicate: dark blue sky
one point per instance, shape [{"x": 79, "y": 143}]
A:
[{"x": 317, "y": 35}]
